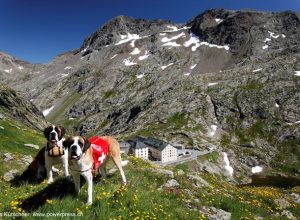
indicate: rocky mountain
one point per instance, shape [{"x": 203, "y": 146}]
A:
[
  {"x": 15, "y": 106},
  {"x": 225, "y": 78}
]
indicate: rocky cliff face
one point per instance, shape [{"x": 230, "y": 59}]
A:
[
  {"x": 13, "y": 105},
  {"x": 226, "y": 78}
]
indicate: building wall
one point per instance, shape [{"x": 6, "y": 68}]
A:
[
  {"x": 141, "y": 152},
  {"x": 155, "y": 153},
  {"x": 169, "y": 154}
]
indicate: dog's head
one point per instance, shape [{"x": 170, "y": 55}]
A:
[
  {"x": 54, "y": 133},
  {"x": 76, "y": 146}
]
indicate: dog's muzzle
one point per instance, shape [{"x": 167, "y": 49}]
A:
[
  {"x": 52, "y": 137},
  {"x": 73, "y": 153}
]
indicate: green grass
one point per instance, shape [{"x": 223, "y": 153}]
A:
[
  {"x": 109, "y": 93},
  {"x": 211, "y": 157},
  {"x": 141, "y": 198},
  {"x": 15, "y": 135},
  {"x": 182, "y": 166},
  {"x": 57, "y": 116}
]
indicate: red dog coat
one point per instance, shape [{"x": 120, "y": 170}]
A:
[{"x": 99, "y": 151}]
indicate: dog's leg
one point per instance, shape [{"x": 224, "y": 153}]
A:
[
  {"x": 117, "y": 160},
  {"x": 65, "y": 166},
  {"x": 103, "y": 170},
  {"x": 48, "y": 165},
  {"x": 39, "y": 172},
  {"x": 76, "y": 178},
  {"x": 89, "y": 179},
  {"x": 55, "y": 170}
]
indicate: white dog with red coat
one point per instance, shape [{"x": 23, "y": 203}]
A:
[{"x": 88, "y": 156}]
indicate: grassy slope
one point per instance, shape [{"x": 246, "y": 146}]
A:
[
  {"x": 13, "y": 137},
  {"x": 140, "y": 199}
]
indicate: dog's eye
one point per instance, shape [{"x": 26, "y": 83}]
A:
[{"x": 80, "y": 144}]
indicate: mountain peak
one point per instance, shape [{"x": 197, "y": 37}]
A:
[{"x": 111, "y": 31}]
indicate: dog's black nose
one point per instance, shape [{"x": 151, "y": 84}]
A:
[{"x": 73, "y": 149}]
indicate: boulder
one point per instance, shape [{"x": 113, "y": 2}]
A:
[
  {"x": 26, "y": 160},
  {"x": 198, "y": 181},
  {"x": 171, "y": 183},
  {"x": 10, "y": 175},
  {"x": 212, "y": 213},
  {"x": 7, "y": 157},
  {"x": 296, "y": 197},
  {"x": 180, "y": 172},
  {"x": 282, "y": 203},
  {"x": 167, "y": 173},
  {"x": 288, "y": 215}
]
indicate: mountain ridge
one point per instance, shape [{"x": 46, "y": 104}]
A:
[{"x": 225, "y": 78}]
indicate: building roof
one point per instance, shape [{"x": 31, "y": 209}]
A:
[
  {"x": 124, "y": 145},
  {"x": 155, "y": 143},
  {"x": 137, "y": 144}
]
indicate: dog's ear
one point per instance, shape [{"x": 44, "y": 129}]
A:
[
  {"x": 87, "y": 144},
  {"x": 62, "y": 131},
  {"x": 67, "y": 143},
  {"x": 47, "y": 131}
]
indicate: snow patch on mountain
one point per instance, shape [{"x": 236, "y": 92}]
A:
[
  {"x": 193, "y": 66},
  {"x": 212, "y": 84},
  {"x": 114, "y": 56},
  {"x": 273, "y": 35},
  {"x": 8, "y": 70},
  {"x": 227, "y": 164},
  {"x": 135, "y": 51},
  {"x": 64, "y": 75},
  {"x": 127, "y": 38},
  {"x": 47, "y": 111},
  {"x": 171, "y": 44},
  {"x": 213, "y": 129},
  {"x": 219, "y": 20},
  {"x": 256, "y": 169},
  {"x": 145, "y": 56},
  {"x": 194, "y": 40},
  {"x": 164, "y": 67},
  {"x": 297, "y": 73},
  {"x": 140, "y": 76},
  {"x": 166, "y": 39},
  {"x": 256, "y": 70},
  {"x": 175, "y": 29},
  {"x": 127, "y": 62}
]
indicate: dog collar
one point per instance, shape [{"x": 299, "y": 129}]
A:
[{"x": 81, "y": 171}]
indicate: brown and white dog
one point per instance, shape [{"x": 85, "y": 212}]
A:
[
  {"x": 36, "y": 169},
  {"x": 54, "y": 135},
  {"x": 82, "y": 154}
]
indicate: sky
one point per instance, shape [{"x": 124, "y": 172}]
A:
[{"x": 38, "y": 30}]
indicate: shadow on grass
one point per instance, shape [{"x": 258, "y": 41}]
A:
[
  {"x": 59, "y": 189},
  {"x": 27, "y": 177}
]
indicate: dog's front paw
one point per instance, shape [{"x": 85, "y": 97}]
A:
[
  {"x": 88, "y": 203},
  {"x": 50, "y": 181}
]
